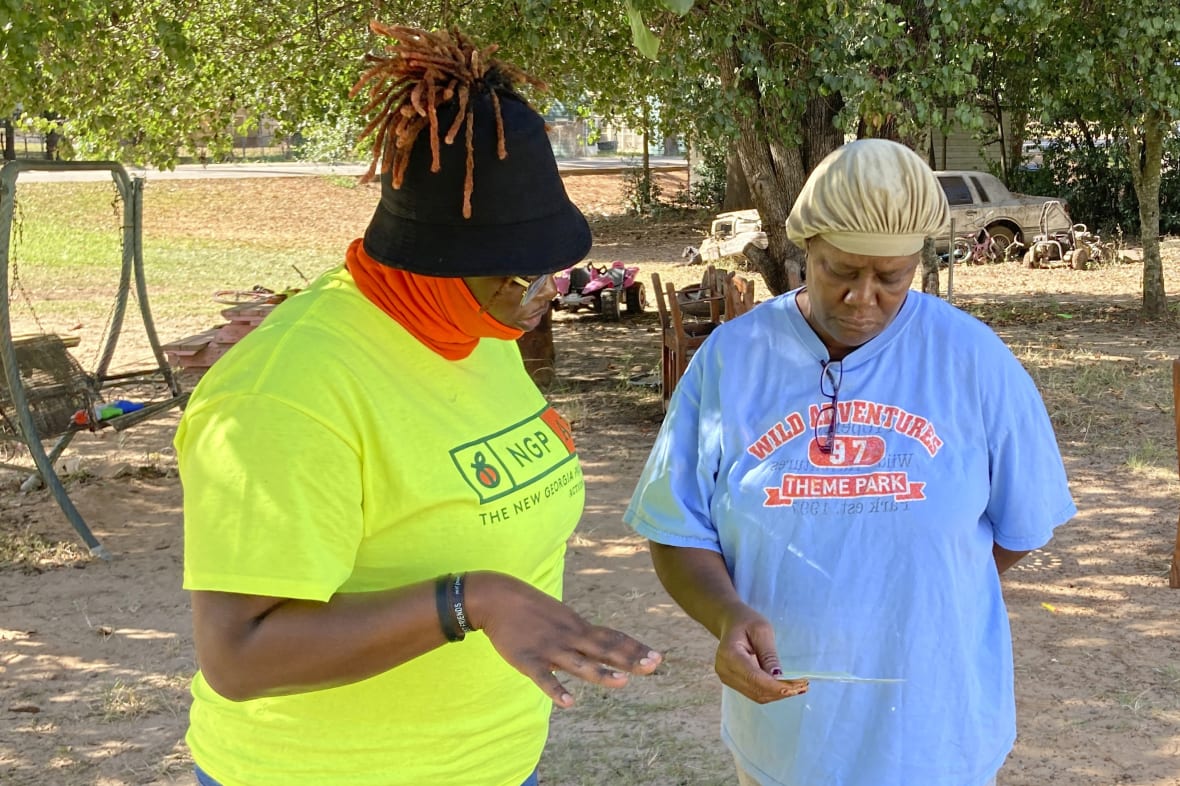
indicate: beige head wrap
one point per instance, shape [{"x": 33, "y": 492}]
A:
[{"x": 872, "y": 197}]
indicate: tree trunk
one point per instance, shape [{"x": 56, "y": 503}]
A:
[
  {"x": 645, "y": 197},
  {"x": 737, "y": 188},
  {"x": 775, "y": 170},
  {"x": 9, "y": 140},
  {"x": 538, "y": 353},
  {"x": 1145, "y": 149},
  {"x": 929, "y": 268},
  {"x": 945, "y": 135},
  {"x": 1002, "y": 133},
  {"x": 1017, "y": 128}
]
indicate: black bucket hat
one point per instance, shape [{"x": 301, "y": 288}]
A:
[{"x": 522, "y": 222}]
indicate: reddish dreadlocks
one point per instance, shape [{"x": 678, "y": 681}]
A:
[{"x": 422, "y": 72}]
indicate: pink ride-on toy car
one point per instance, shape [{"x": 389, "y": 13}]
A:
[{"x": 600, "y": 288}]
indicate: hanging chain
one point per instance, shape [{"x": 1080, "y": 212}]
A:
[
  {"x": 17, "y": 286},
  {"x": 102, "y": 337}
]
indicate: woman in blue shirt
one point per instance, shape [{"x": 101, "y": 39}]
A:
[{"x": 843, "y": 474}]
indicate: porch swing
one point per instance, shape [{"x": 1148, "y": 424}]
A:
[{"x": 45, "y": 394}]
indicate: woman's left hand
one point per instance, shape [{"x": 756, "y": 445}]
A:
[
  {"x": 747, "y": 659},
  {"x": 539, "y": 635}
]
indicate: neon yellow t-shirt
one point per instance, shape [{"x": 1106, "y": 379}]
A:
[{"x": 329, "y": 452}]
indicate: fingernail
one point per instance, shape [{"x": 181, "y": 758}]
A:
[
  {"x": 618, "y": 675},
  {"x": 776, "y": 672},
  {"x": 567, "y": 699}
]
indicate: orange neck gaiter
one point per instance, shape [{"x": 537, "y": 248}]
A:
[{"x": 440, "y": 312}]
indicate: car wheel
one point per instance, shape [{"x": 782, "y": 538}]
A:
[
  {"x": 1003, "y": 238},
  {"x": 610, "y": 305},
  {"x": 636, "y": 298},
  {"x": 961, "y": 252}
]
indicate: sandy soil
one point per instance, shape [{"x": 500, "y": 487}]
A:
[{"x": 95, "y": 656}]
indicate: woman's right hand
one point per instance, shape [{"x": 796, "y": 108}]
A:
[
  {"x": 747, "y": 659},
  {"x": 539, "y": 635}
]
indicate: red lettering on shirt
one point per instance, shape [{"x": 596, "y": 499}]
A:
[
  {"x": 853, "y": 412},
  {"x": 776, "y": 436},
  {"x": 873, "y": 484}
]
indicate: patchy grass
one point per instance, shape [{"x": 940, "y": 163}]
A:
[
  {"x": 27, "y": 550},
  {"x": 121, "y": 701},
  {"x": 635, "y": 735},
  {"x": 1153, "y": 459},
  {"x": 66, "y": 253},
  {"x": 1088, "y": 375},
  {"x": 128, "y": 698}
]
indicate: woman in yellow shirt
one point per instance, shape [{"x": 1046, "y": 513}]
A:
[{"x": 377, "y": 498}]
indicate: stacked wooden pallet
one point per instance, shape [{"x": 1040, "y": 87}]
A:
[{"x": 197, "y": 353}]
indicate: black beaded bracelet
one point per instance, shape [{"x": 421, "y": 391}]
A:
[{"x": 447, "y": 619}]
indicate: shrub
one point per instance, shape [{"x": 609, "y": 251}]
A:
[
  {"x": 1096, "y": 180},
  {"x": 707, "y": 186},
  {"x": 331, "y": 141}
]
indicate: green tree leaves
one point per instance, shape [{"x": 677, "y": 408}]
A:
[
  {"x": 645, "y": 41},
  {"x": 143, "y": 79},
  {"x": 1115, "y": 65}
]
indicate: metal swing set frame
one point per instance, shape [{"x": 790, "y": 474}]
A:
[{"x": 19, "y": 382}]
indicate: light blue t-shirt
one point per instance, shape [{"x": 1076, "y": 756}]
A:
[{"x": 874, "y": 559}]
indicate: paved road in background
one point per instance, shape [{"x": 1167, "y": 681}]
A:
[{"x": 569, "y": 166}]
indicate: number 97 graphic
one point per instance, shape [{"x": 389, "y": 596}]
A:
[{"x": 848, "y": 451}]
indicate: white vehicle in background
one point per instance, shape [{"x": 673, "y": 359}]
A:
[{"x": 730, "y": 233}]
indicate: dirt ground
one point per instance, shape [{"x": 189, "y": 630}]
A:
[{"x": 95, "y": 656}]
